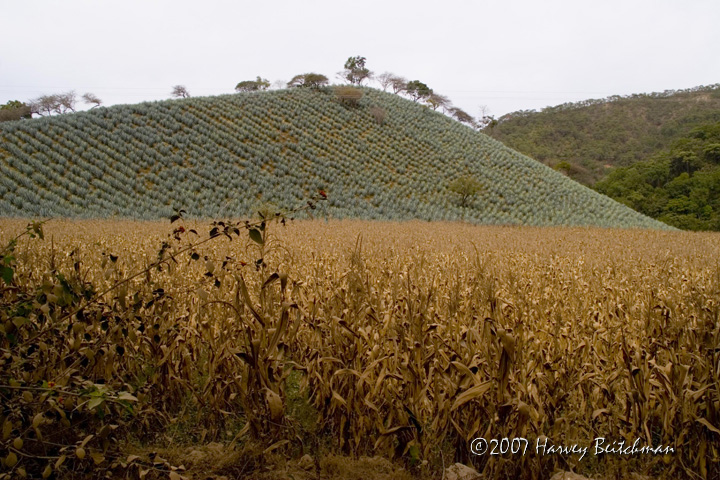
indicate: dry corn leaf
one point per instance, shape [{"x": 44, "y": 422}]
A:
[{"x": 472, "y": 393}]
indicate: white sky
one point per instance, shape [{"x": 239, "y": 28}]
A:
[{"x": 505, "y": 54}]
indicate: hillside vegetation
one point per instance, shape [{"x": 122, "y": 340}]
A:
[
  {"x": 680, "y": 186},
  {"x": 586, "y": 139},
  {"x": 377, "y": 155}
]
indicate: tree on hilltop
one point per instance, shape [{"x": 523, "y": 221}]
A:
[
  {"x": 258, "y": 84},
  {"x": 399, "y": 84},
  {"x": 179, "y": 91},
  {"x": 418, "y": 90},
  {"x": 385, "y": 80},
  {"x": 486, "y": 121},
  {"x": 58, "y": 103},
  {"x": 390, "y": 80},
  {"x": 435, "y": 100},
  {"x": 91, "y": 98},
  {"x": 308, "y": 80},
  {"x": 43, "y": 105},
  {"x": 462, "y": 116},
  {"x": 14, "y": 110},
  {"x": 490, "y": 124},
  {"x": 355, "y": 71}
]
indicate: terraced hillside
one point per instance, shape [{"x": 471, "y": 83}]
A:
[{"x": 384, "y": 158}]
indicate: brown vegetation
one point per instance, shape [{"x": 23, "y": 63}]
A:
[{"x": 397, "y": 341}]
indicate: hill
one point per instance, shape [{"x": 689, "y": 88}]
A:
[
  {"x": 382, "y": 157},
  {"x": 680, "y": 185},
  {"x": 594, "y": 136}
]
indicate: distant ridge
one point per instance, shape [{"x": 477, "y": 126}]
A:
[
  {"x": 589, "y": 138},
  {"x": 385, "y": 158}
]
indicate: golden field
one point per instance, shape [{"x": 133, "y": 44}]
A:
[{"x": 397, "y": 340}]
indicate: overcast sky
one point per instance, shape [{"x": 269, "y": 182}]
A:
[{"x": 505, "y": 54}]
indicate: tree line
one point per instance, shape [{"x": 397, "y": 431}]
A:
[
  {"x": 355, "y": 72},
  {"x": 46, "y": 105}
]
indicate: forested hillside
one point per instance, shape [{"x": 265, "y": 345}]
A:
[
  {"x": 587, "y": 139},
  {"x": 680, "y": 185}
]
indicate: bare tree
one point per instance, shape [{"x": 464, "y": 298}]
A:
[
  {"x": 58, "y": 103},
  {"x": 91, "y": 98},
  {"x": 179, "y": 91},
  {"x": 385, "y": 80},
  {"x": 67, "y": 101},
  {"x": 399, "y": 84},
  {"x": 378, "y": 114},
  {"x": 43, "y": 105},
  {"x": 435, "y": 100}
]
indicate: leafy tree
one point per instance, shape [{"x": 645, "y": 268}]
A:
[
  {"x": 258, "y": 84},
  {"x": 308, "y": 80},
  {"x": 487, "y": 124},
  {"x": 179, "y": 91},
  {"x": 12, "y": 105},
  {"x": 462, "y": 116},
  {"x": 355, "y": 71},
  {"x": 14, "y": 110},
  {"x": 465, "y": 187},
  {"x": 684, "y": 161},
  {"x": 711, "y": 153},
  {"x": 418, "y": 90}
]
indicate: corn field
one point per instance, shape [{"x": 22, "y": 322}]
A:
[{"x": 401, "y": 340}]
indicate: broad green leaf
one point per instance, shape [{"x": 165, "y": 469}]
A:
[
  {"x": 7, "y": 274},
  {"x": 256, "y": 236}
]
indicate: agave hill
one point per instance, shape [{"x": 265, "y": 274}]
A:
[{"x": 384, "y": 158}]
